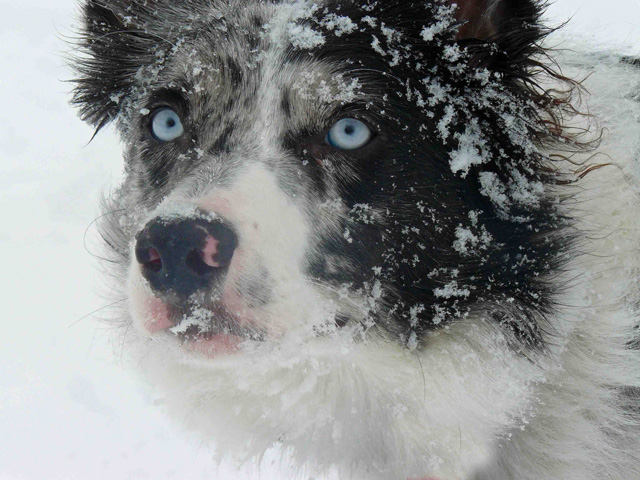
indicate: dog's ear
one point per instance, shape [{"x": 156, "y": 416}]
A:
[
  {"x": 114, "y": 44},
  {"x": 500, "y": 34},
  {"x": 488, "y": 19},
  {"x": 496, "y": 33}
]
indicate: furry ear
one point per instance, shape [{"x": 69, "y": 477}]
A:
[
  {"x": 487, "y": 19},
  {"x": 114, "y": 44},
  {"x": 502, "y": 35}
]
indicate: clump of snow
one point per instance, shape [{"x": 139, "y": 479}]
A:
[
  {"x": 199, "y": 317},
  {"x": 452, "y": 53},
  {"x": 393, "y": 37},
  {"x": 376, "y": 291},
  {"x": 446, "y": 120},
  {"x": 466, "y": 241},
  {"x": 472, "y": 149},
  {"x": 304, "y": 36},
  {"x": 364, "y": 213},
  {"x": 472, "y": 239},
  {"x": 312, "y": 85},
  {"x": 116, "y": 97},
  {"x": 437, "y": 92},
  {"x": 371, "y": 21},
  {"x": 375, "y": 43},
  {"x": 450, "y": 290},
  {"x": 444, "y": 16},
  {"x": 300, "y": 34},
  {"x": 170, "y": 210},
  {"x": 525, "y": 192},
  {"x": 414, "y": 312},
  {"x": 412, "y": 342},
  {"x": 339, "y": 24},
  {"x": 492, "y": 187}
]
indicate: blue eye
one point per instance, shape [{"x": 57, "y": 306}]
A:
[
  {"x": 349, "y": 134},
  {"x": 166, "y": 125}
]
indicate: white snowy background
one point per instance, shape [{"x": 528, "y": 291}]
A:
[{"x": 68, "y": 408}]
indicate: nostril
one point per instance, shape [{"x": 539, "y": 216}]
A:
[
  {"x": 148, "y": 256},
  {"x": 197, "y": 265},
  {"x": 155, "y": 262}
]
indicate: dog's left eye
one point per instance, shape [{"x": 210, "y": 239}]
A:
[
  {"x": 349, "y": 134},
  {"x": 166, "y": 125}
]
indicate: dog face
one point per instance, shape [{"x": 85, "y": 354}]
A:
[{"x": 360, "y": 178}]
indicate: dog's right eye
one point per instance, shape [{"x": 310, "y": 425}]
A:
[{"x": 166, "y": 125}]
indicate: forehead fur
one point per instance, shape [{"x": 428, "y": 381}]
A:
[
  {"x": 127, "y": 45},
  {"x": 133, "y": 50},
  {"x": 260, "y": 86}
]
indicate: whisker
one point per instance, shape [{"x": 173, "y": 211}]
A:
[
  {"x": 86, "y": 232},
  {"x": 96, "y": 311}
]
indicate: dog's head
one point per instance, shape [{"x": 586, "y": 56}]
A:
[{"x": 372, "y": 172}]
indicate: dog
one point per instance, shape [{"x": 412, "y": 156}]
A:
[{"x": 390, "y": 239}]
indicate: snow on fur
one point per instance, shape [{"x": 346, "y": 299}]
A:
[{"x": 447, "y": 380}]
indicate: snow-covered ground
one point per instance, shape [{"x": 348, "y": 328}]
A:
[{"x": 68, "y": 409}]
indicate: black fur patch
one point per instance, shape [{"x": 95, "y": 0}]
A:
[{"x": 410, "y": 178}]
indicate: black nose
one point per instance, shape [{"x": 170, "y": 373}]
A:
[{"x": 182, "y": 256}]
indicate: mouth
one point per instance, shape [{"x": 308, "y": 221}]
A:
[{"x": 211, "y": 329}]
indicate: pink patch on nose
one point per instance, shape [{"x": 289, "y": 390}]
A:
[
  {"x": 210, "y": 251},
  {"x": 154, "y": 255}
]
